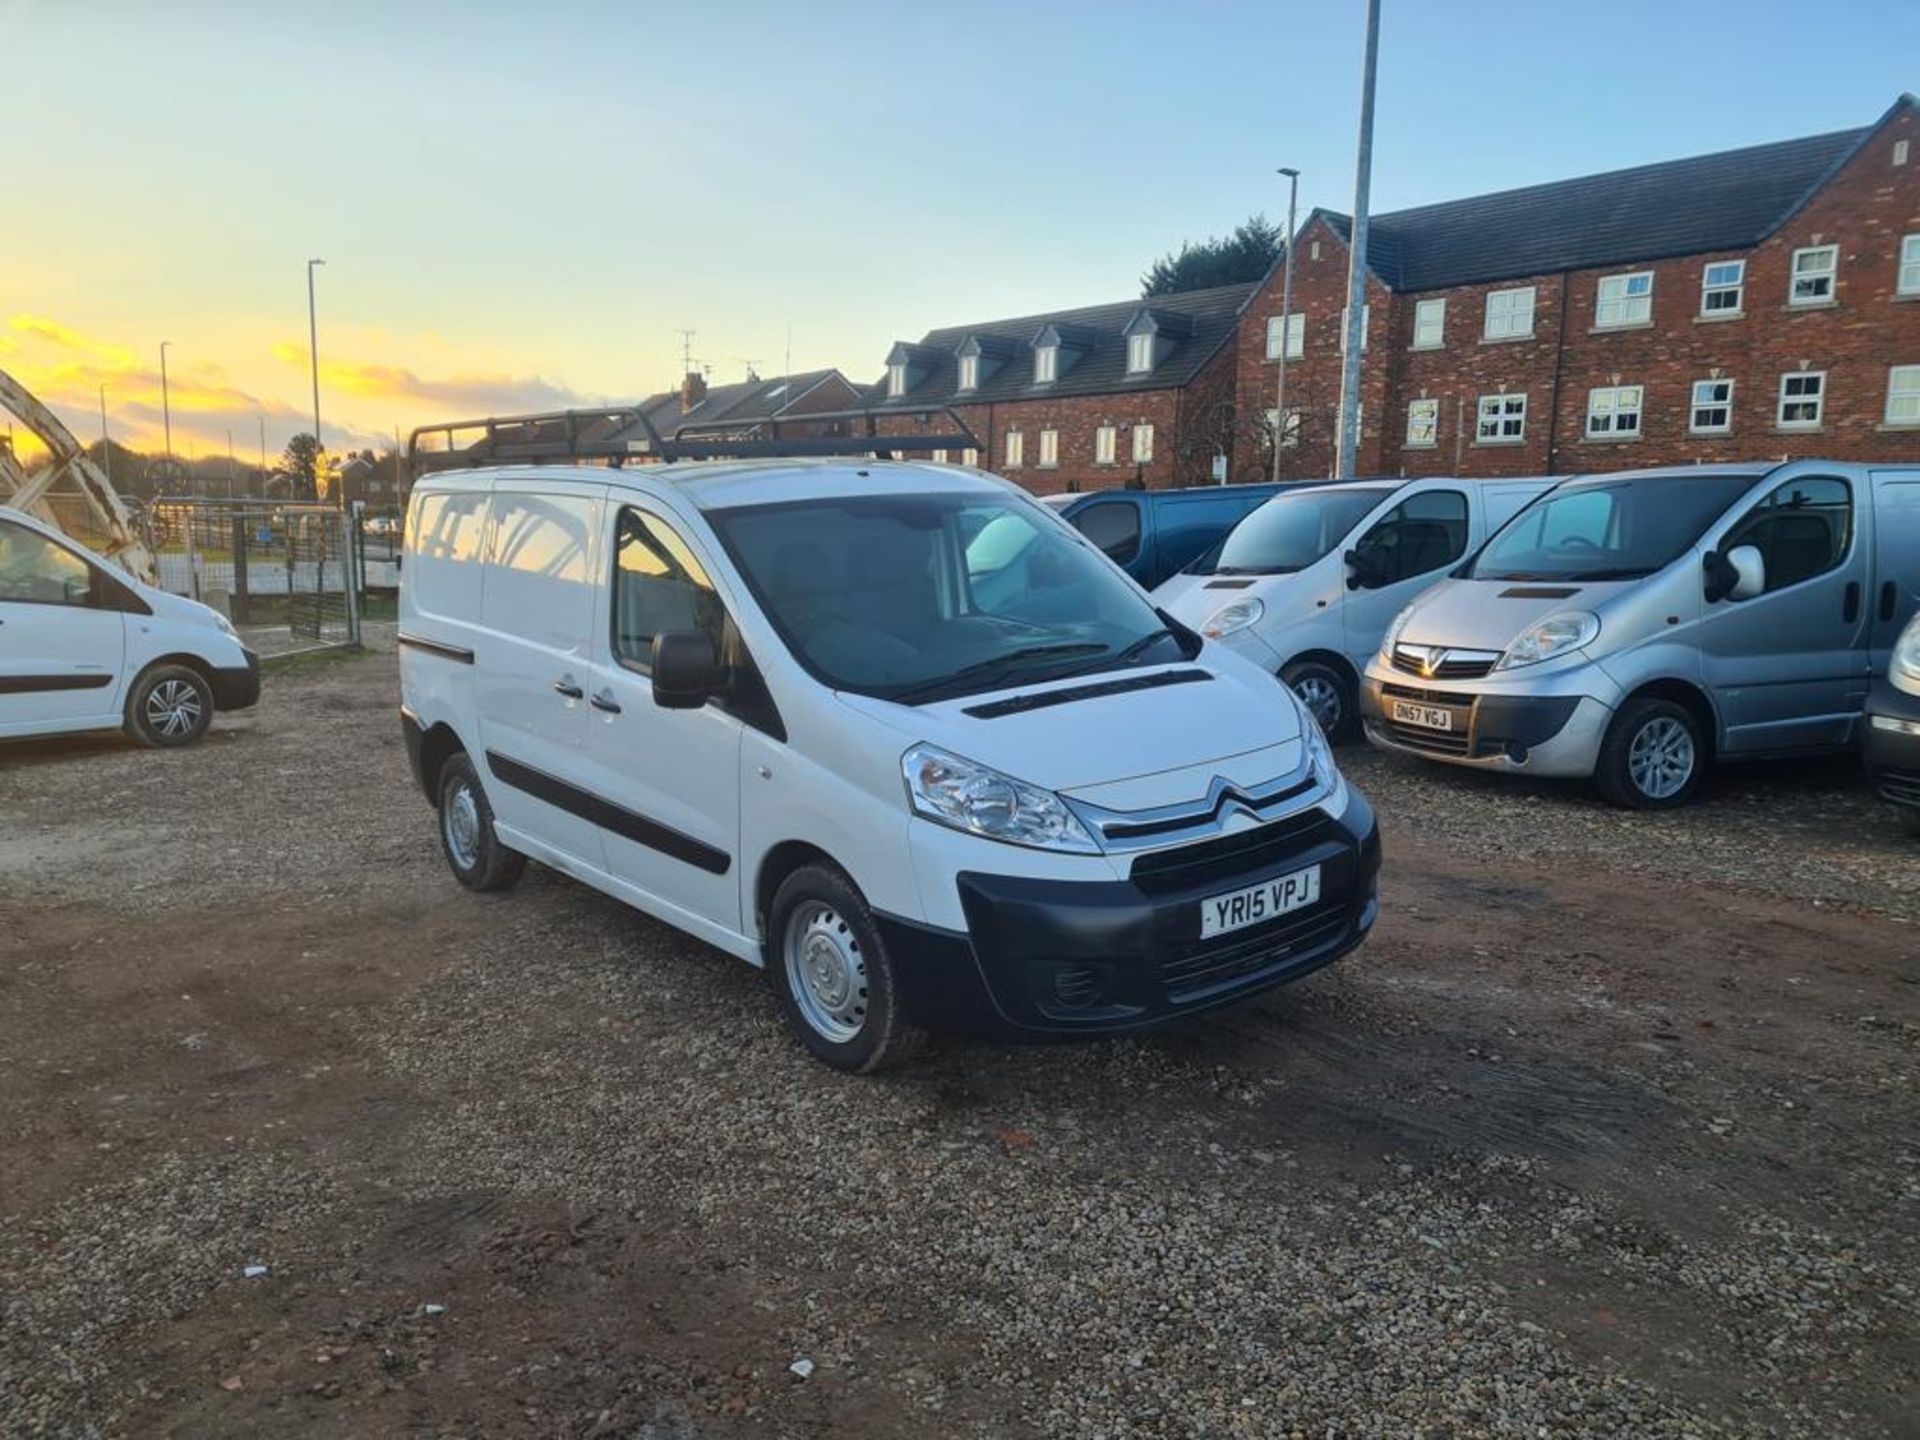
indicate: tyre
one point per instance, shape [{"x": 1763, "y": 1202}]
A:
[
  {"x": 1327, "y": 693},
  {"x": 834, "y": 978},
  {"x": 169, "y": 706},
  {"x": 1652, "y": 756},
  {"x": 1911, "y": 817},
  {"x": 473, "y": 849}
]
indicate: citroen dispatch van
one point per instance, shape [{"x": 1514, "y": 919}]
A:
[
  {"x": 1636, "y": 627},
  {"x": 895, "y": 732},
  {"x": 1305, "y": 586},
  {"x": 85, "y": 646}
]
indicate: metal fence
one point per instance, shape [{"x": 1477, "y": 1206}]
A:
[{"x": 289, "y": 575}]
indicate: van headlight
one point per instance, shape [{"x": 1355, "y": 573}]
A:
[
  {"x": 1555, "y": 635},
  {"x": 1904, "y": 671},
  {"x": 1320, "y": 756},
  {"x": 965, "y": 795},
  {"x": 1229, "y": 618},
  {"x": 225, "y": 624}
]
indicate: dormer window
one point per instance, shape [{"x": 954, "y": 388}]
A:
[
  {"x": 1139, "y": 354},
  {"x": 969, "y": 372},
  {"x": 1046, "y": 364},
  {"x": 1152, "y": 335},
  {"x": 896, "y": 379}
]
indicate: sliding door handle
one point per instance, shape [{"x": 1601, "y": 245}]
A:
[
  {"x": 603, "y": 700},
  {"x": 1850, "y": 612},
  {"x": 1889, "y": 594},
  {"x": 565, "y": 686}
]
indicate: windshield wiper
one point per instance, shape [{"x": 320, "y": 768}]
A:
[{"x": 992, "y": 665}]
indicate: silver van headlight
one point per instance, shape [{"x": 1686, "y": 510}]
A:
[
  {"x": 1555, "y": 635},
  {"x": 1904, "y": 671},
  {"x": 966, "y": 795},
  {"x": 1236, "y": 615},
  {"x": 1320, "y": 756}
]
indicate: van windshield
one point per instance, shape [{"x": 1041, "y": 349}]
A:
[
  {"x": 1614, "y": 530},
  {"x": 1287, "y": 533},
  {"x": 925, "y": 596}
]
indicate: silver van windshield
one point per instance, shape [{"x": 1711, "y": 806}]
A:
[{"x": 1611, "y": 530}]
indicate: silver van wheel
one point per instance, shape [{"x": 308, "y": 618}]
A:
[
  {"x": 173, "y": 709},
  {"x": 1322, "y": 699},
  {"x": 825, "y": 972},
  {"x": 1661, "y": 758},
  {"x": 460, "y": 822}
]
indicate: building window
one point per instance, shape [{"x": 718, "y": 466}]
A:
[
  {"x": 1613, "y": 411},
  {"x": 1105, "y": 445},
  {"x": 1142, "y": 444},
  {"x": 1139, "y": 354},
  {"x": 1624, "y": 300},
  {"x": 1296, "y": 335},
  {"x": 1049, "y": 449},
  {"x": 1290, "y": 433},
  {"x": 1712, "y": 409},
  {"x": 1423, "y": 424},
  {"x": 1813, "y": 270},
  {"x": 1429, "y": 324},
  {"x": 1509, "y": 313},
  {"x": 1803, "y": 399},
  {"x": 1503, "y": 420},
  {"x": 1366, "y": 321},
  {"x": 897, "y": 379},
  {"x": 1016, "y": 449},
  {"x": 1723, "y": 287},
  {"x": 1910, "y": 266},
  {"x": 1046, "y": 364},
  {"x": 939, "y": 457},
  {"x": 970, "y": 457},
  {"x": 1903, "y": 395},
  {"x": 969, "y": 372}
]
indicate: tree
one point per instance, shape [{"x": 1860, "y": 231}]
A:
[
  {"x": 1246, "y": 254},
  {"x": 297, "y": 467}
]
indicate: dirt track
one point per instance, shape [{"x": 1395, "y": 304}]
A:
[{"x": 1610, "y": 1129}]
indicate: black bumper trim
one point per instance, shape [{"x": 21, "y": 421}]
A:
[{"x": 238, "y": 688}]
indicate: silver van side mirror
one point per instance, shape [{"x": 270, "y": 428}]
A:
[{"x": 1750, "y": 571}]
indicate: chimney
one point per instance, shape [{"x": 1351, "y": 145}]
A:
[{"x": 693, "y": 390}]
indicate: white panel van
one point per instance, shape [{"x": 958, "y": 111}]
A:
[{"x": 894, "y": 731}]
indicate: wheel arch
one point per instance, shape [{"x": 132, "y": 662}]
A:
[
  {"x": 183, "y": 658},
  {"x": 775, "y": 866},
  {"x": 1689, "y": 697},
  {"x": 438, "y": 744},
  {"x": 1332, "y": 658}
]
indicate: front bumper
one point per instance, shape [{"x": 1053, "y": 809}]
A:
[
  {"x": 1892, "y": 744},
  {"x": 237, "y": 688},
  {"x": 1045, "y": 958},
  {"x": 1554, "y": 735}
]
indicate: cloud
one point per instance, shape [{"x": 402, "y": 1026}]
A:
[{"x": 468, "y": 395}]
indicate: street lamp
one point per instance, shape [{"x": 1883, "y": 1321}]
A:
[
  {"x": 1286, "y": 324},
  {"x": 106, "y": 443},
  {"x": 166, "y": 411},
  {"x": 313, "y": 358}
]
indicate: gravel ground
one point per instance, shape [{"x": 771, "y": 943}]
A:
[{"x": 1609, "y": 1130}]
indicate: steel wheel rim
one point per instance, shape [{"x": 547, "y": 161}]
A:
[
  {"x": 1322, "y": 699},
  {"x": 1661, "y": 758},
  {"x": 173, "y": 708},
  {"x": 826, "y": 973},
  {"x": 460, "y": 821}
]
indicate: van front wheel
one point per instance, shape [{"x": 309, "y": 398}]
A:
[
  {"x": 832, "y": 973},
  {"x": 169, "y": 705},
  {"x": 1652, "y": 756},
  {"x": 1327, "y": 694}
]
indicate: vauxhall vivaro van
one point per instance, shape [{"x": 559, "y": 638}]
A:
[
  {"x": 1306, "y": 585},
  {"x": 895, "y": 731},
  {"x": 1634, "y": 627},
  {"x": 85, "y": 646}
]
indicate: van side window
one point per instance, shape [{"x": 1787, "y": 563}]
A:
[
  {"x": 658, "y": 587},
  {"x": 444, "y": 535},
  {"x": 539, "y": 578},
  {"x": 1114, "y": 527},
  {"x": 1802, "y": 529},
  {"x": 1421, "y": 533},
  {"x": 35, "y": 571}
]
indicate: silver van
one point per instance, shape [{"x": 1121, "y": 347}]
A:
[{"x": 1635, "y": 627}]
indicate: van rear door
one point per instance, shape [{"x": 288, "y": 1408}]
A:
[{"x": 1896, "y": 563}]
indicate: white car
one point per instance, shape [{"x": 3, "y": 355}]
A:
[
  {"x": 85, "y": 646},
  {"x": 894, "y": 731},
  {"x": 1306, "y": 585}
]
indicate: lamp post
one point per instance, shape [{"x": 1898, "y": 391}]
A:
[
  {"x": 1354, "y": 325},
  {"x": 1286, "y": 324},
  {"x": 166, "y": 410},
  {"x": 313, "y": 358},
  {"x": 106, "y": 444}
]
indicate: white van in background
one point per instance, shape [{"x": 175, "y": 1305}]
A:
[
  {"x": 85, "y": 646},
  {"x": 894, "y": 731},
  {"x": 1306, "y": 585}
]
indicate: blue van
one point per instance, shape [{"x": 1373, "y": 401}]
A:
[{"x": 1152, "y": 534}]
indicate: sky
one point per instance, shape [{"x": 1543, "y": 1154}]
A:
[{"x": 521, "y": 205}]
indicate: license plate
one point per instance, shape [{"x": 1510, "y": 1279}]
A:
[
  {"x": 1238, "y": 909},
  {"x": 1430, "y": 716}
]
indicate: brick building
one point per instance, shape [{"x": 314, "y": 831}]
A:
[
  {"x": 1138, "y": 391},
  {"x": 1759, "y": 302}
]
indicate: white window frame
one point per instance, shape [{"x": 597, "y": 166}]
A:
[
  {"x": 1818, "y": 400},
  {"x": 970, "y": 457},
  {"x": 1909, "y": 278},
  {"x": 939, "y": 457},
  {"x": 1615, "y": 412},
  {"x": 969, "y": 372},
  {"x": 1290, "y": 436},
  {"x": 1015, "y": 446},
  {"x": 1695, "y": 405},
  {"x": 1499, "y": 408},
  {"x": 1430, "y": 316},
  {"x": 1106, "y": 444},
  {"x": 1737, "y": 287},
  {"x": 1903, "y": 387},
  {"x": 1423, "y": 419},
  {"x": 1140, "y": 353},
  {"x": 1142, "y": 444},
  {"x": 1830, "y": 274},
  {"x": 896, "y": 379},
  {"x": 1049, "y": 449},
  {"x": 1501, "y": 321},
  {"x": 1046, "y": 364},
  {"x": 1296, "y": 335},
  {"x": 1626, "y": 308}
]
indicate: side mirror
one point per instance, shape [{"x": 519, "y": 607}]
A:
[
  {"x": 1750, "y": 572},
  {"x": 686, "y": 672},
  {"x": 1362, "y": 572}
]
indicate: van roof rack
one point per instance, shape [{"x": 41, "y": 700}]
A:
[{"x": 618, "y": 435}]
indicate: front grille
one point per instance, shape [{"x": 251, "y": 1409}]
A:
[
  {"x": 1228, "y": 857},
  {"x": 1213, "y": 963},
  {"x": 1436, "y": 742},
  {"x": 1470, "y": 664},
  {"x": 1429, "y": 697},
  {"x": 1900, "y": 786}
]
